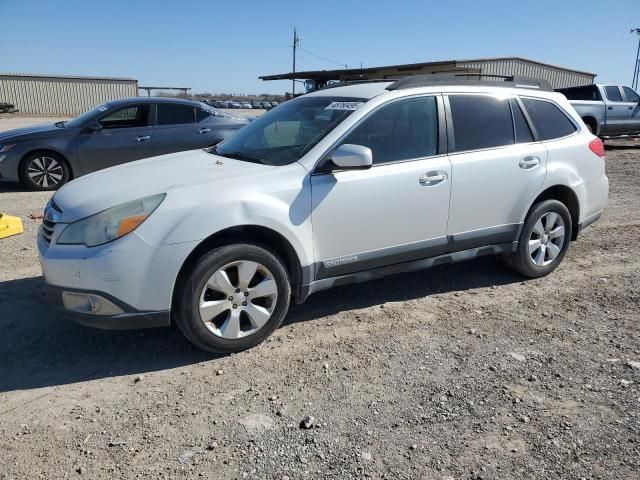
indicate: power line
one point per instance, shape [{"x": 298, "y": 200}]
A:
[
  {"x": 323, "y": 58},
  {"x": 636, "y": 66}
]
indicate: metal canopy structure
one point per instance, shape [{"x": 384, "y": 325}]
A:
[
  {"x": 184, "y": 90},
  {"x": 557, "y": 76}
]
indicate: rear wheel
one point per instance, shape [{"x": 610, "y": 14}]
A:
[
  {"x": 544, "y": 240},
  {"x": 44, "y": 171},
  {"x": 233, "y": 299}
]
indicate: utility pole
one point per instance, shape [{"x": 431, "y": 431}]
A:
[
  {"x": 636, "y": 65},
  {"x": 296, "y": 44}
]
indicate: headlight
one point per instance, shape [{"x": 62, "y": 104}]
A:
[
  {"x": 4, "y": 148},
  {"x": 110, "y": 224}
]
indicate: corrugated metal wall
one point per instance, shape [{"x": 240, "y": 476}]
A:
[
  {"x": 62, "y": 96},
  {"x": 557, "y": 77}
]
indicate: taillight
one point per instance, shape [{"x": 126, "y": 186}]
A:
[{"x": 597, "y": 146}]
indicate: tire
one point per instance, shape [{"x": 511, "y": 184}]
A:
[
  {"x": 551, "y": 248},
  {"x": 229, "y": 315},
  {"x": 42, "y": 171}
]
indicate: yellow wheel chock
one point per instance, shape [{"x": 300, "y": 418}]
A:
[{"x": 10, "y": 225}]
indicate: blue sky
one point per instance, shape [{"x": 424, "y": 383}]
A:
[{"x": 223, "y": 46}]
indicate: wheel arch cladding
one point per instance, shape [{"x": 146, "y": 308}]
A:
[
  {"x": 567, "y": 196},
  {"x": 49, "y": 151},
  {"x": 252, "y": 234}
]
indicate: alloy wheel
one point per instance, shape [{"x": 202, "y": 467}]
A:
[
  {"x": 45, "y": 172},
  {"x": 238, "y": 299},
  {"x": 547, "y": 239}
]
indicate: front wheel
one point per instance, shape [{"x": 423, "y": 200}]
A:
[
  {"x": 233, "y": 299},
  {"x": 544, "y": 240},
  {"x": 44, "y": 171}
]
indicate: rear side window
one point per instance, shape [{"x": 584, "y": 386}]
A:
[
  {"x": 549, "y": 121},
  {"x": 613, "y": 93},
  {"x": 175, "y": 114},
  {"x": 480, "y": 121},
  {"x": 631, "y": 95},
  {"x": 523, "y": 132},
  {"x": 201, "y": 115}
]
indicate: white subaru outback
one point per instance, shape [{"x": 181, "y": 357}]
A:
[{"x": 342, "y": 185}]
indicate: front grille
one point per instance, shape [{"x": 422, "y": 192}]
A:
[
  {"x": 51, "y": 214},
  {"x": 47, "y": 230}
]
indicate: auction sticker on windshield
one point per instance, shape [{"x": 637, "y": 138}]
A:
[{"x": 343, "y": 105}]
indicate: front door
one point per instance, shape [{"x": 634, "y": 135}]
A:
[
  {"x": 633, "y": 109},
  {"x": 125, "y": 136},
  {"x": 397, "y": 210},
  {"x": 617, "y": 111}
]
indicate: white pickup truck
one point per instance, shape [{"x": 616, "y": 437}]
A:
[{"x": 609, "y": 110}]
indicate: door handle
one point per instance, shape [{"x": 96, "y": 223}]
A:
[
  {"x": 143, "y": 138},
  {"x": 609, "y": 107},
  {"x": 204, "y": 130},
  {"x": 430, "y": 179},
  {"x": 529, "y": 162},
  {"x": 631, "y": 108}
]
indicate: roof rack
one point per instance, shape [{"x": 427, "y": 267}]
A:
[
  {"x": 512, "y": 81},
  {"x": 344, "y": 83}
]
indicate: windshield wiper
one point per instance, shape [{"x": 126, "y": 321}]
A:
[
  {"x": 236, "y": 156},
  {"x": 60, "y": 124}
]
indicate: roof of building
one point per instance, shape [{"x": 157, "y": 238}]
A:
[
  {"x": 331, "y": 74},
  {"x": 63, "y": 77}
]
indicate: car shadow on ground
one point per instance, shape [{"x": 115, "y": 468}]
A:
[
  {"x": 608, "y": 146},
  {"x": 41, "y": 349},
  {"x": 7, "y": 186}
]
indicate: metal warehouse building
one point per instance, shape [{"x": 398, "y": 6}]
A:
[
  {"x": 558, "y": 77},
  {"x": 62, "y": 95}
]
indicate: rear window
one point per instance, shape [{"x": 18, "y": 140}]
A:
[
  {"x": 587, "y": 92},
  {"x": 613, "y": 93},
  {"x": 480, "y": 121},
  {"x": 175, "y": 114},
  {"x": 549, "y": 121}
]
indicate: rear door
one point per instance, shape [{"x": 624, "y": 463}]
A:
[
  {"x": 175, "y": 128},
  {"x": 496, "y": 167},
  {"x": 125, "y": 136},
  {"x": 633, "y": 109},
  {"x": 617, "y": 110}
]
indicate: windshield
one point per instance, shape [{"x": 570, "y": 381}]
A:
[
  {"x": 82, "y": 119},
  {"x": 283, "y": 135}
]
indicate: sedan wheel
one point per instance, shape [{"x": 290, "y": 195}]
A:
[{"x": 44, "y": 172}]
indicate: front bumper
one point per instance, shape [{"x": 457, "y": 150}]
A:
[
  {"x": 129, "y": 319},
  {"x": 135, "y": 277}
]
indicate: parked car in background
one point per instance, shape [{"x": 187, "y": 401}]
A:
[
  {"x": 340, "y": 185},
  {"x": 235, "y": 104},
  {"x": 45, "y": 157},
  {"x": 256, "y": 104},
  {"x": 609, "y": 110},
  {"x": 266, "y": 105},
  {"x": 246, "y": 105}
]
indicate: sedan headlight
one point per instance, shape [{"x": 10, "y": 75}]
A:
[
  {"x": 110, "y": 224},
  {"x": 5, "y": 147}
]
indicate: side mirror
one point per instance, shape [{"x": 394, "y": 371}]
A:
[
  {"x": 352, "y": 157},
  {"x": 94, "y": 127}
]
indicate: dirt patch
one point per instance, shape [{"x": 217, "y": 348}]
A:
[{"x": 463, "y": 371}]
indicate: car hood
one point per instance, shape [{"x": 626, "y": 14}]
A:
[
  {"x": 32, "y": 132},
  {"x": 169, "y": 174}
]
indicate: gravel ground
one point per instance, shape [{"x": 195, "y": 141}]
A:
[{"x": 458, "y": 372}]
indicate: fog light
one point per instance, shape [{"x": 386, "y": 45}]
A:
[{"x": 89, "y": 303}]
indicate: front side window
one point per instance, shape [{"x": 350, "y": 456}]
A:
[
  {"x": 402, "y": 130},
  {"x": 613, "y": 93},
  {"x": 550, "y": 122},
  {"x": 127, "y": 117},
  {"x": 631, "y": 95},
  {"x": 175, "y": 114},
  {"x": 283, "y": 135},
  {"x": 480, "y": 121}
]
